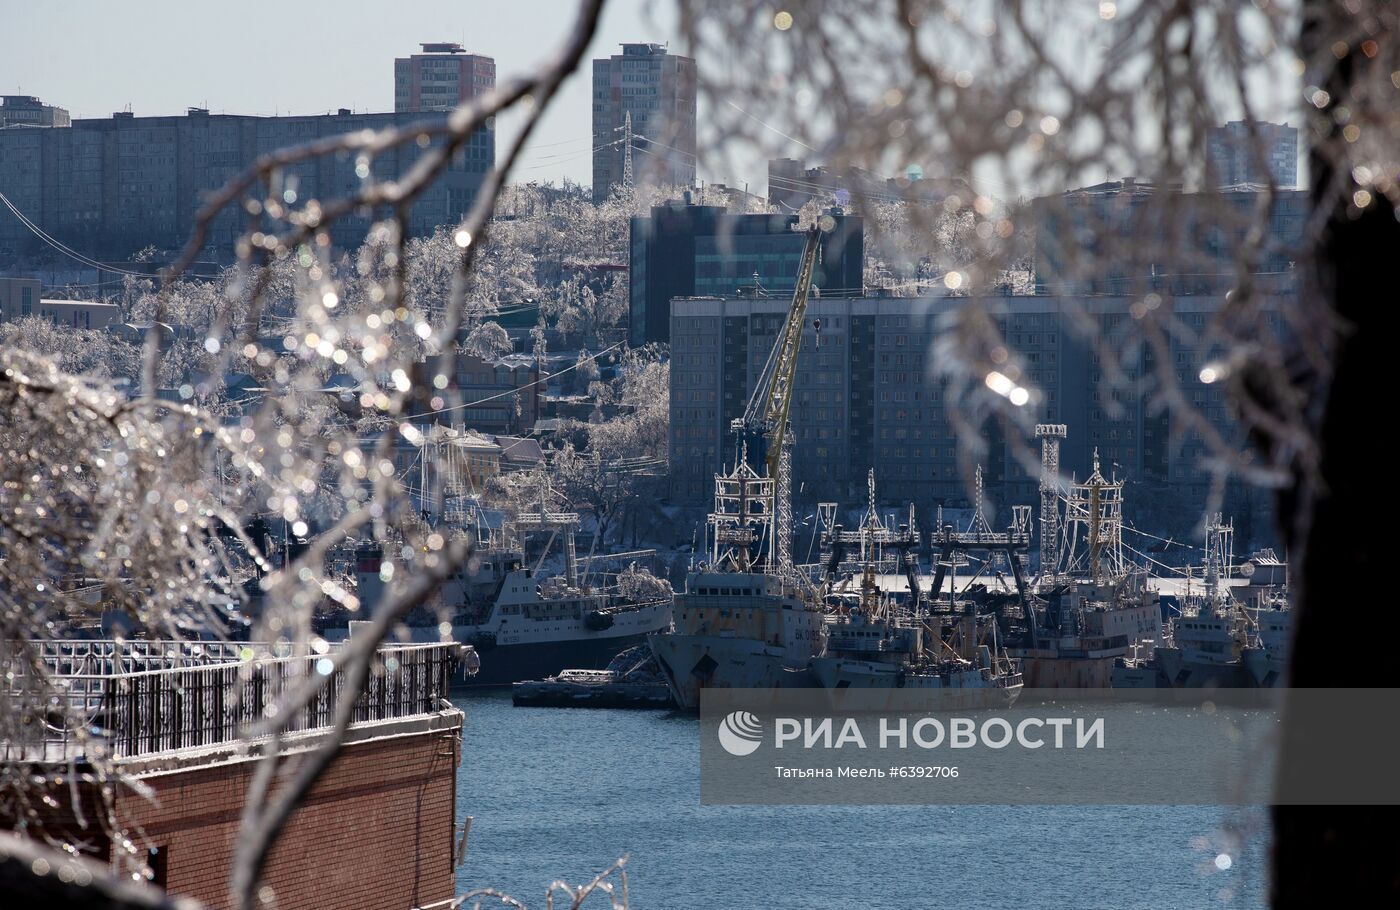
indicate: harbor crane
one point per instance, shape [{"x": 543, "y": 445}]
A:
[{"x": 763, "y": 433}]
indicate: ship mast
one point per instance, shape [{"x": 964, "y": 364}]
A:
[
  {"x": 875, "y": 539},
  {"x": 1050, "y": 435},
  {"x": 547, "y": 518},
  {"x": 1220, "y": 536},
  {"x": 1094, "y": 510},
  {"x": 743, "y": 517}
]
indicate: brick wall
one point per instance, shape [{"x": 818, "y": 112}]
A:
[{"x": 375, "y": 832}]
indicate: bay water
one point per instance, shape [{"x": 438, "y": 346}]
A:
[{"x": 558, "y": 793}]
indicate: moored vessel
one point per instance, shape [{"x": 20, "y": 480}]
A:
[
  {"x": 1218, "y": 640},
  {"x": 738, "y": 624},
  {"x": 875, "y": 644},
  {"x": 1090, "y": 608},
  {"x": 525, "y": 622}
]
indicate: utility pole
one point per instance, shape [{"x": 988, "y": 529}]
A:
[{"x": 627, "y": 149}]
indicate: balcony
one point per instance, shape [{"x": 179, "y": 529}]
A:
[{"x": 144, "y": 698}]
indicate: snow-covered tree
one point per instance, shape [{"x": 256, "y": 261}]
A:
[
  {"x": 141, "y": 493},
  {"x": 488, "y": 341}
]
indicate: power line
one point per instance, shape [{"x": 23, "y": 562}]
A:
[
  {"x": 648, "y": 140},
  {"x": 437, "y": 308},
  {"x": 769, "y": 126},
  {"x": 577, "y": 152},
  {"x": 63, "y": 248},
  {"x": 806, "y": 186},
  {"x": 566, "y": 157},
  {"x": 545, "y": 145},
  {"x": 545, "y": 378}
]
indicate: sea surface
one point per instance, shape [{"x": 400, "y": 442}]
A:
[{"x": 558, "y": 793}]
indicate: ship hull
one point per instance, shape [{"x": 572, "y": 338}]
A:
[
  {"x": 517, "y": 650},
  {"x": 502, "y": 665},
  {"x": 960, "y": 690},
  {"x": 691, "y": 663},
  {"x": 1169, "y": 670},
  {"x": 1045, "y": 670}
]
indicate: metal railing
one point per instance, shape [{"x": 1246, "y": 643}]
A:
[{"x": 159, "y": 697}]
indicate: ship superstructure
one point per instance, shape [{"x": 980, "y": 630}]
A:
[
  {"x": 1090, "y": 607},
  {"x": 526, "y": 622}
]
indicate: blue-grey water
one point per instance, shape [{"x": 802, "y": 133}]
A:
[{"x": 562, "y": 793}]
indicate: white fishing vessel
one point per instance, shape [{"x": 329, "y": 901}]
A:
[
  {"x": 1218, "y": 640},
  {"x": 525, "y": 622}
]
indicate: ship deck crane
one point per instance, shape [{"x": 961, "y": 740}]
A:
[{"x": 763, "y": 430}]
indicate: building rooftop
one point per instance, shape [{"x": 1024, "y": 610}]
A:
[
  {"x": 97, "y": 304},
  {"x": 471, "y": 439},
  {"x": 128, "y": 119},
  {"x": 520, "y": 448}
]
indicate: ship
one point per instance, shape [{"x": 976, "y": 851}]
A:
[
  {"x": 740, "y": 623},
  {"x": 524, "y": 622},
  {"x": 631, "y": 680},
  {"x": 875, "y": 643},
  {"x": 1083, "y": 628},
  {"x": 1219, "y": 640},
  {"x": 865, "y": 655},
  {"x": 1090, "y": 608}
]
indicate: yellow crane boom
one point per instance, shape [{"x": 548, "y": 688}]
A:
[
  {"x": 764, "y": 426},
  {"x": 768, "y": 408}
]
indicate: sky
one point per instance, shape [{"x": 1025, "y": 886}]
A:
[
  {"x": 95, "y": 57},
  {"x": 160, "y": 57}
]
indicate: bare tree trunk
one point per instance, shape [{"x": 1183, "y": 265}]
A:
[{"x": 1335, "y": 855}]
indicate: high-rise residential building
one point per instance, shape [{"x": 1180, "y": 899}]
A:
[
  {"x": 26, "y": 110},
  {"x": 872, "y": 395},
  {"x": 658, "y": 90},
  {"x": 109, "y": 187},
  {"x": 440, "y": 78},
  {"x": 1131, "y": 237},
  {"x": 686, "y": 250},
  {"x": 1234, "y": 159}
]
